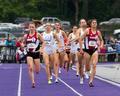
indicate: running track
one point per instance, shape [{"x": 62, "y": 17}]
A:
[{"x": 14, "y": 81}]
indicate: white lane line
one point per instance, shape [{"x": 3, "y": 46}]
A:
[
  {"x": 71, "y": 88},
  {"x": 105, "y": 80},
  {"x": 19, "y": 83},
  {"x": 108, "y": 81}
]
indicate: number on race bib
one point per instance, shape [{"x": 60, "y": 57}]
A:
[
  {"x": 47, "y": 43},
  {"x": 31, "y": 45},
  {"x": 92, "y": 43}
]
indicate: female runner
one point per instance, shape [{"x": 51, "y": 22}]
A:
[
  {"x": 91, "y": 36},
  {"x": 32, "y": 40}
]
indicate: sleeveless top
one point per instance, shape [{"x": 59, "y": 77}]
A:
[
  {"x": 32, "y": 42},
  {"x": 73, "y": 42},
  {"x": 61, "y": 38},
  {"x": 91, "y": 40},
  {"x": 48, "y": 39}
]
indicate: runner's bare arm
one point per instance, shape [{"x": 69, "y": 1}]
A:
[
  {"x": 82, "y": 38},
  {"x": 65, "y": 37},
  {"x": 70, "y": 37},
  {"x": 41, "y": 39},
  {"x": 78, "y": 34}
]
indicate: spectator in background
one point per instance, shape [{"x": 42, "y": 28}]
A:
[
  {"x": 2, "y": 50},
  {"x": 111, "y": 40},
  {"x": 20, "y": 52},
  {"x": 9, "y": 49},
  {"x": 2, "y": 43},
  {"x": 19, "y": 42},
  {"x": 9, "y": 41},
  {"x": 111, "y": 45}
]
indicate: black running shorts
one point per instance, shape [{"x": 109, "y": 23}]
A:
[{"x": 34, "y": 55}]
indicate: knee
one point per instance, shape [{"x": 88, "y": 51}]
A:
[
  {"x": 87, "y": 66},
  {"x": 95, "y": 61},
  {"x": 66, "y": 60},
  {"x": 81, "y": 66},
  {"x": 30, "y": 69},
  {"x": 55, "y": 64},
  {"x": 47, "y": 65},
  {"x": 94, "y": 67}
]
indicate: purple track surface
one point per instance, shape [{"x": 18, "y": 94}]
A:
[{"x": 9, "y": 83}]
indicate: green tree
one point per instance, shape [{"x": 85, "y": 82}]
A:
[{"x": 71, "y": 10}]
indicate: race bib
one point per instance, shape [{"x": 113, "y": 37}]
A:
[
  {"x": 92, "y": 43},
  {"x": 47, "y": 43},
  {"x": 31, "y": 45}
]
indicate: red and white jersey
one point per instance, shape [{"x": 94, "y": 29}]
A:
[
  {"x": 91, "y": 39},
  {"x": 32, "y": 42}
]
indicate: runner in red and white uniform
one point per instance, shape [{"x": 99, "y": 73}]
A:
[
  {"x": 91, "y": 36},
  {"x": 32, "y": 41}
]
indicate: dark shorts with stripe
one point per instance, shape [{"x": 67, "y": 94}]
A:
[{"x": 34, "y": 55}]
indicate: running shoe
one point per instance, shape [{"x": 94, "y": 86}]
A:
[
  {"x": 91, "y": 84},
  {"x": 81, "y": 81},
  {"x": 56, "y": 80},
  {"x": 49, "y": 82},
  {"x": 33, "y": 85},
  {"x": 77, "y": 74},
  {"x": 37, "y": 72}
]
